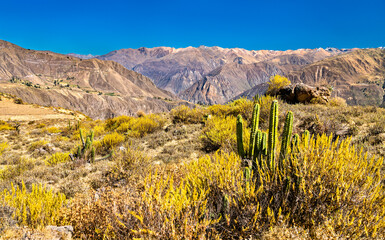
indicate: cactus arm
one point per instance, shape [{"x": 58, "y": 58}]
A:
[
  {"x": 264, "y": 144},
  {"x": 81, "y": 137},
  {"x": 273, "y": 128},
  {"x": 254, "y": 129},
  {"x": 257, "y": 149},
  {"x": 286, "y": 137},
  {"x": 93, "y": 154},
  {"x": 240, "y": 136},
  {"x": 92, "y": 135}
]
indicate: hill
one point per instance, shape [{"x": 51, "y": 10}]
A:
[
  {"x": 358, "y": 76},
  {"x": 100, "y": 89}
]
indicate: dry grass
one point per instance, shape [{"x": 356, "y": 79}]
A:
[{"x": 165, "y": 180}]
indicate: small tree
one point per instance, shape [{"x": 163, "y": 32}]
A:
[{"x": 276, "y": 83}]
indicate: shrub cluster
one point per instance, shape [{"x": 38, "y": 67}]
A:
[
  {"x": 37, "y": 208},
  {"x": 185, "y": 114},
  {"x": 135, "y": 127}
]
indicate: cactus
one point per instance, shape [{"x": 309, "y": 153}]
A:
[
  {"x": 93, "y": 154},
  {"x": 264, "y": 144},
  {"x": 240, "y": 136},
  {"x": 286, "y": 137},
  {"x": 306, "y": 138},
  {"x": 86, "y": 150},
  {"x": 254, "y": 129},
  {"x": 295, "y": 143},
  {"x": 69, "y": 125},
  {"x": 81, "y": 136},
  {"x": 257, "y": 150},
  {"x": 273, "y": 129}
]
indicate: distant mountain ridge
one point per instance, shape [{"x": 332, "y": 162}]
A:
[
  {"x": 191, "y": 72},
  {"x": 357, "y": 76},
  {"x": 99, "y": 88}
]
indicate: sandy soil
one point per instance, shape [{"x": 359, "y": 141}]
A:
[{"x": 23, "y": 112}]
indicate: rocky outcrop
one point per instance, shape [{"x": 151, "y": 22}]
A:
[{"x": 302, "y": 93}]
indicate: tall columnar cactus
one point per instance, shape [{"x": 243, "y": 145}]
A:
[
  {"x": 286, "y": 137},
  {"x": 240, "y": 136},
  {"x": 273, "y": 129},
  {"x": 254, "y": 129},
  {"x": 86, "y": 150},
  {"x": 257, "y": 149},
  {"x": 295, "y": 143},
  {"x": 264, "y": 144},
  {"x": 306, "y": 138}
]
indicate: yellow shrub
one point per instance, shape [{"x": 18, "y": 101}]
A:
[
  {"x": 185, "y": 114},
  {"x": 114, "y": 123},
  {"x": 337, "y": 102},
  {"x": 40, "y": 125},
  {"x": 219, "y": 132},
  {"x": 56, "y": 158},
  {"x": 5, "y": 126},
  {"x": 38, "y": 208},
  {"x": 53, "y": 130},
  {"x": 112, "y": 140},
  {"x": 98, "y": 130},
  {"x": 276, "y": 83},
  {"x": 136, "y": 127},
  {"x": 3, "y": 147},
  {"x": 240, "y": 106},
  {"x": 37, "y": 144},
  {"x": 147, "y": 124},
  {"x": 13, "y": 171}
]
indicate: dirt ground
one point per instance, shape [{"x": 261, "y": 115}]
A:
[{"x": 24, "y": 112}]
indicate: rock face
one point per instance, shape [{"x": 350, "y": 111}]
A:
[
  {"x": 230, "y": 80},
  {"x": 212, "y": 74},
  {"x": 98, "y": 88},
  {"x": 302, "y": 93},
  {"x": 358, "y": 76}
]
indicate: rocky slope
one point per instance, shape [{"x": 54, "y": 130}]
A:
[
  {"x": 230, "y": 80},
  {"x": 358, "y": 76},
  {"x": 99, "y": 88},
  {"x": 206, "y": 68}
]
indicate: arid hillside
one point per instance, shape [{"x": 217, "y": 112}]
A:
[
  {"x": 179, "y": 69},
  {"x": 358, "y": 76},
  {"x": 230, "y": 80},
  {"x": 100, "y": 89}
]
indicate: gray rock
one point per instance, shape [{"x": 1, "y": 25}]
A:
[{"x": 66, "y": 230}]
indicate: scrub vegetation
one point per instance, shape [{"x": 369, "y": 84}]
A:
[{"x": 261, "y": 169}]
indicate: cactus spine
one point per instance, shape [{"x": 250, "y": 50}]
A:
[
  {"x": 273, "y": 129},
  {"x": 240, "y": 136},
  {"x": 254, "y": 129},
  {"x": 286, "y": 137}
]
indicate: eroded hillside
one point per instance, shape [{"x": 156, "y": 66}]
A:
[{"x": 100, "y": 89}]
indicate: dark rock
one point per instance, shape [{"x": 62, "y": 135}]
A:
[{"x": 302, "y": 93}]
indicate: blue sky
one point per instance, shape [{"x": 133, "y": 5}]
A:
[{"x": 98, "y": 27}]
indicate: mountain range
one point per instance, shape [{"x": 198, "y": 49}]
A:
[
  {"x": 100, "y": 89},
  {"x": 157, "y": 79},
  {"x": 212, "y": 75}
]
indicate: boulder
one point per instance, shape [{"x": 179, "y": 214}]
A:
[{"x": 302, "y": 93}]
